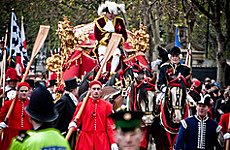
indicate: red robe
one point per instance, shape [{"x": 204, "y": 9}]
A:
[
  {"x": 96, "y": 127},
  {"x": 18, "y": 121},
  {"x": 224, "y": 121}
]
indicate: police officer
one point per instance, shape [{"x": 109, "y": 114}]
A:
[
  {"x": 42, "y": 113},
  {"x": 199, "y": 131},
  {"x": 128, "y": 133}
]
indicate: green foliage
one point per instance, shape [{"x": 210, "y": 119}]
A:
[{"x": 168, "y": 13}]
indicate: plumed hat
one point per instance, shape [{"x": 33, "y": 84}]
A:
[
  {"x": 71, "y": 84},
  {"x": 127, "y": 120},
  {"x": 110, "y": 7},
  {"x": 94, "y": 82},
  {"x": 175, "y": 51},
  {"x": 41, "y": 106},
  {"x": 205, "y": 100},
  {"x": 11, "y": 74},
  {"x": 23, "y": 84}
]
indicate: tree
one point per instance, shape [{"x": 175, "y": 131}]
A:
[{"x": 219, "y": 15}]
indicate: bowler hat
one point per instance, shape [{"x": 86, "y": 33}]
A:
[
  {"x": 127, "y": 120},
  {"x": 41, "y": 106},
  {"x": 71, "y": 84},
  {"x": 205, "y": 100},
  {"x": 175, "y": 51}
]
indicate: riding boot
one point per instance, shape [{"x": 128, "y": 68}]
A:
[
  {"x": 101, "y": 61},
  {"x": 114, "y": 63}
]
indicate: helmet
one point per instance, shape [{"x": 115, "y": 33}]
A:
[
  {"x": 41, "y": 106},
  {"x": 175, "y": 51}
]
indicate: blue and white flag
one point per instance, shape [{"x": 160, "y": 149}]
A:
[{"x": 177, "y": 37}]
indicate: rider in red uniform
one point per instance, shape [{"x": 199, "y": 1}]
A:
[{"x": 107, "y": 23}]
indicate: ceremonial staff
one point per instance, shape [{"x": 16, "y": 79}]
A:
[
  {"x": 42, "y": 34},
  {"x": 3, "y": 69},
  {"x": 113, "y": 43}
]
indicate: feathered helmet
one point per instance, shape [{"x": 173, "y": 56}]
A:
[{"x": 110, "y": 7}]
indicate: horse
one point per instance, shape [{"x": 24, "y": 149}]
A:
[{"x": 174, "y": 107}]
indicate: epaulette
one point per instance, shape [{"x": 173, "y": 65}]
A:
[
  {"x": 22, "y": 136},
  {"x": 166, "y": 63},
  {"x": 118, "y": 17},
  {"x": 219, "y": 127},
  {"x": 99, "y": 18},
  {"x": 184, "y": 124}
]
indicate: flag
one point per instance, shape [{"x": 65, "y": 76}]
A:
[
  {"x": 16, "y": 46},
  {"x": 177, "y": 37},
  {"x": 188, "y": 60},
  {"x": 25, "y": 58}
]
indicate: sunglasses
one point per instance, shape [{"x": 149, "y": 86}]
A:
[{"x": 23, "y": 90}]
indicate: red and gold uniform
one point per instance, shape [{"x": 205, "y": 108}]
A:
[
  {"x": 102, "y": 36},
  {"x": 103, "y": 30}
]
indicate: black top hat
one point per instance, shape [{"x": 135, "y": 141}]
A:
[
  {"x": 71, "y": 84},
  {"x": 41, "y": 106},
  {"x": 205, "y": 100},
  {"x": 52, "y": 83},
  {"x": 175, "y": 51},
  {"x": 127, "y": 120}
]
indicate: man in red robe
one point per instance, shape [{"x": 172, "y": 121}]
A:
[
  {"x": 18, "y": 120},
  {"x": 108, "y": 23},
  {"x": 96, "y": 127}
]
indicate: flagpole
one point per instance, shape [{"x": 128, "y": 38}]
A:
[
  {"x": 3, "y": 70},
  {"x": 11, "y": 40}
]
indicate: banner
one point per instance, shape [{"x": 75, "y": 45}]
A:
[
  {"x": 17, "y": 49},
  {"x": 177, "y": 37}
]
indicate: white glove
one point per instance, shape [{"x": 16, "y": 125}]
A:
[
  {"x": 72, "y": 124},
  {"x": 226, "y": 136},
  {"x": 164, "y": 89},
  {"x": 114, "y": 146},
  {"x": 3, "y": 125}
]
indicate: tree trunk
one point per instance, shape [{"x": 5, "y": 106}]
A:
[{"x": 220, "y": 57}]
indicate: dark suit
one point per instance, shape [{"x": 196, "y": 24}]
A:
[{"x": 66, "y": 108}]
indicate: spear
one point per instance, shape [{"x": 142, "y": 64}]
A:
[{"x": 113, "y": 43}]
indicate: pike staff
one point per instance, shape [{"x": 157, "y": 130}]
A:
[
  {"x": 113, "y": 43},
  {"x": 3, "y": 69}
]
